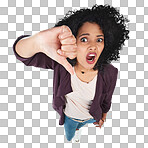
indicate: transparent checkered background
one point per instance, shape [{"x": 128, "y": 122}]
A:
[{"x": 27, "y": 119}]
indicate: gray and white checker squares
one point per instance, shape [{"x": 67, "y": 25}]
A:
[{"x": 27, "y": 119}]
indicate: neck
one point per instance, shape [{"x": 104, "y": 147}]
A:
[{"x": 82, "y": 70}]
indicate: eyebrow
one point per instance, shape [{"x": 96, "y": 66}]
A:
[{"x": 89, "y": 34}]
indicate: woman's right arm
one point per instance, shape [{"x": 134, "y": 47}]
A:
[
  {"x": 37, "y": 59},
  {"x": 47, "y": 47},
  {"x": 26, "y": 46}
]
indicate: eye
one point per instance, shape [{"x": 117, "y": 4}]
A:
[
  {"x": 83, "y": 39},
  {"x": 99, "y": 40}
]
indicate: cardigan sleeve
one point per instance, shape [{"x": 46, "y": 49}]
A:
[
  {"x": 108, "y": 95},
  {"x": 40, "y": 59}
]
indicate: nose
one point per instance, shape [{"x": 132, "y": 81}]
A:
[{"x": 92, "y": 47}]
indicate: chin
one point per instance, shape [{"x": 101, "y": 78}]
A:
[
  {"x": 85, "y": 65},
  {"x": 90, "y": 67}
]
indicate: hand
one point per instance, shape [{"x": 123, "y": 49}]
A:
[
  {"x": 99, "y": 124},
  {"x": 58, "y": 43}
]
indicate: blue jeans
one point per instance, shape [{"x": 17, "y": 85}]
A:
[{"x": 71, "y": 126}]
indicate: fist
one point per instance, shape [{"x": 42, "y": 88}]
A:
[
  {"x": 99, "y": 124},
  {"x": 68, "y": 43},
  {"x": 58, "y": 43}
]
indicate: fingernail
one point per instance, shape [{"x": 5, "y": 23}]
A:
[
  {"x": 61, "y": 37},
  {"x": 59, "y": 52}
]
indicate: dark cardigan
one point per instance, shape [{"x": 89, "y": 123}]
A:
[{"x": 106, "y": 81}]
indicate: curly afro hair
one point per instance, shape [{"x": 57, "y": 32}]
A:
[{"x": 112, "y": 23}]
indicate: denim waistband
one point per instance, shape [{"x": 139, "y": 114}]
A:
[{"x": 79, "y": 120}]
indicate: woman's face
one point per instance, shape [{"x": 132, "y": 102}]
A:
[{"x": 90, "y": 42}]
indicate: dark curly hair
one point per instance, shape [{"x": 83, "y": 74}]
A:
[{"x": 112, "y": 23}]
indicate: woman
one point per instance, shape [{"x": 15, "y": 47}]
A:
[{"x": 82, "y": 44}]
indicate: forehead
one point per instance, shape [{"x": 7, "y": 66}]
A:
[{"x": 88, "y": 27}]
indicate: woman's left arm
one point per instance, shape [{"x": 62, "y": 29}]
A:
[
  {"x": 104, "y": 116},
  {"x": 102, "y": 120},
  {"x": 106, "y": 104},
  {"x": 107, "y": 101}
]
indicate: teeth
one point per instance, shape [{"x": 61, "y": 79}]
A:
[{"x": 91, "y": 55}]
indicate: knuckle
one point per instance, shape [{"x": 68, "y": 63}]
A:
[
  {"x": 72, "y": 56},
  {"x": 71, "y": 48},
  {"x": 65, "y": 35},
  {"x": 74, "y": 53},
  {"x": 65, "y": 48},
  {"x": 62, "y": 48},
  {"x": 69, "y": 40},
  {"x": 73, "y": 39},
  {"x": 65, "y": 28},
  {"x": 63, "y": 41},
  {"x": 75, "y": 48}
]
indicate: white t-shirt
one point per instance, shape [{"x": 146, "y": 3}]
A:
[{"x": 79, "y": 101}]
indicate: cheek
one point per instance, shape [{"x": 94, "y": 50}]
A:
[
  {"x": 81, "y": 53},
  {"x": 101, "y": 48},
  {"x": 80, "y": 49}
]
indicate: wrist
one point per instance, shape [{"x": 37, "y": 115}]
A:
[
  {"x": 103, "y": 119},
  {"x": 104, "y": 116},
  {"x": 35, "y": 39}
]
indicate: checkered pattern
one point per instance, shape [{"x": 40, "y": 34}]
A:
[{"x": 27, "y": 119}]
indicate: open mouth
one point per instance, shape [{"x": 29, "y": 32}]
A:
[{"x": 90, "y": 58}]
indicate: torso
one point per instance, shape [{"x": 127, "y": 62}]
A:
[{"x": 87, "y": 77}]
